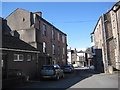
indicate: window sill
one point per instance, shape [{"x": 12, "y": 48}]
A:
[{"x": 18, "y": 60}]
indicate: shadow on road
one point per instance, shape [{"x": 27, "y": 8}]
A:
[{"x": 69, "y": 80}]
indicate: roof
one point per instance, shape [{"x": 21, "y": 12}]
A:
[
  {"x": 81, "y": 51},
  {"x": 11, "y": 42},
  {"x": 40, "y": 17},
  {"x": 88, "y": 50},
  {"x": 117, "y": 3},
  {"x": 16, "y": 10},
  {"x": 96, "y": 24}
]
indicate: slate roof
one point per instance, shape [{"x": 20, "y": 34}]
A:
[
  {"x": 11, "y": 42},
  {"x": 87, "y": 51}
]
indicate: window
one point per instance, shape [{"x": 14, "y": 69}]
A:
[
  {"x": 18, "y": 57},
  {"x": 92, "y": 49},
  {"x": 33, "y": 57},
  {"x": 59, "y": 36},
  {"x": 2, "y": 63},
  {"x": 91, "y": 38},
  {"x": 44, "y": 29},
  {"x": 63, "y": 38},
  {"x": 53, "y": 35},
  {"x": 28, "y": 57},
  {"x": 23, "y": 19},
  {"x": 44, "y": 47},
  {"x": 53, "y": 47}
]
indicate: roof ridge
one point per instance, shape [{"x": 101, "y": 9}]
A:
[{"x": 16, "y": 10}]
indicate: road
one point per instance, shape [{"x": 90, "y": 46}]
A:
[{"x": 80, "y": 78}]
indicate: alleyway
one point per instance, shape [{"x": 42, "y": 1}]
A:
[
  {"x": 69, "y": 80},
  {"x": 80, "y": 78}
]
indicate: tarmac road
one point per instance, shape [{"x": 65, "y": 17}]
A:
[{"x": 80, "y": 78}]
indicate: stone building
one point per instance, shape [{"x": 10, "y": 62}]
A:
[
  {"x": 41, "y": 34},
  {"x": 88, "y": 58},
  {"x": 76, "y": 57},
  {"x": 106, "y": 38},
  {"x": 97, "y": 46},
  {"x": 69, "y": 61},
  {"x": 17, "y": 56}
]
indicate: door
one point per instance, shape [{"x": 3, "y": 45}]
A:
[{"x": 4, "y": 65}]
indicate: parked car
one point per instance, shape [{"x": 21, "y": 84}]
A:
[
  {"x": 68, "y": 68},
  {"x": 75, "y": 65},
  {"x": 51, "y": 71}
]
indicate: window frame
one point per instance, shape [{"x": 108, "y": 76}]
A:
[
  {"x": 58, "y": 36},
  {"x": 30, "y": 57},
  {"x": 53, "y": 49},
  {"x": 18, "y": 57},
  {"x": 63, "y": 38},
  {"x": 53, "y": 34},
  {"x": 44, "y": 47},
  {"x": 44, "y": 29}
]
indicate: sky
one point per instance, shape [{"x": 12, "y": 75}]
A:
[{"x": 76, "y": 19}]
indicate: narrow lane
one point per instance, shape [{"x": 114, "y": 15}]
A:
[
  {"x": 69, "y": 80},
  {"x": 80, "y": 78}
]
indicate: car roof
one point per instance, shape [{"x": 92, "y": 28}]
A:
[{"x": 51, "y": 65}]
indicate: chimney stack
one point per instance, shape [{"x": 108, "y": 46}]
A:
[{"x": 38, "y": 13}]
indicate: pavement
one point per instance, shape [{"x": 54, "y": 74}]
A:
[{"x": 99, "y": 81}]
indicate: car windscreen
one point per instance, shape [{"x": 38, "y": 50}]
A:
[{"x": 47, "y": 68}]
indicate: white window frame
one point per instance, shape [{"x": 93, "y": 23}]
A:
[
  {"x": 44, "y": 47},
  {"x": 2, "y": 65},
  {"x": 63, "y": 38},
  {"x": 29, "y": 58},
  {"x": 18, "y": 57},
  {"x": 58, "y": 36},
  {"x": 53, "y": 49}
]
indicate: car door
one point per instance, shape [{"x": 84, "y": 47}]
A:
[{"x": 58, "y": 71}]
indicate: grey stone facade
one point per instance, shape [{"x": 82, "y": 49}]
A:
[{"x": 107, "y": 38}]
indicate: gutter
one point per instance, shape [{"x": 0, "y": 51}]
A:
[{"x": 18, "y": 50}]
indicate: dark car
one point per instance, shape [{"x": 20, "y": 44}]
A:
[
  {"x": 68, "y": 68},
  {"x": 51, "y": 71}
]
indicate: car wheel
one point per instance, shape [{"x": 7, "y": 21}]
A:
[
  {"x": 63, "y": 75},
  {"x": 58, "y": 77}
]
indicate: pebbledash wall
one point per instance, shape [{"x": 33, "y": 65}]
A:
[{"x": 39, "y": 33}]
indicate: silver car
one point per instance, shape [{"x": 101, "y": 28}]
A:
[
  {"x": 68, "y": 68},
  {"x": 51, "y": 71}
]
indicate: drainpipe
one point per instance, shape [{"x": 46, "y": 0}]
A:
[
  {"x": 37, "y": 62},
  {"x": 118, "y": 57},
  {"x": 105, "y": 47}
]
